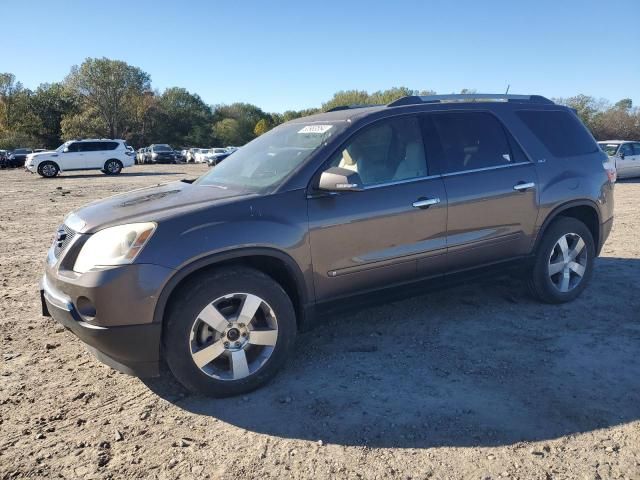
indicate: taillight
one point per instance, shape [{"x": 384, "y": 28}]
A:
[{"x": 612, "y": 174}]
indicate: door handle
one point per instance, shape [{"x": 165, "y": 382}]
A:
[
  {"x": 426, "y": 202},
  {"x": 522, "y": 186}
]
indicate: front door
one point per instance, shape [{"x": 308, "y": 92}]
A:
[
  {"x": 491, "y": 188},
  {"x": 625, "y": 163},
  {"x": 73, "y": 157},
  {"x": 373, "y": 238}
]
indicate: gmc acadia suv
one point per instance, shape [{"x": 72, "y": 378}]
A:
[{"x": 215, "y": 276}]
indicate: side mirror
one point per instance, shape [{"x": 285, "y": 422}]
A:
[
  {"x": 65, "y": 150},
  {"x": 336, "y": 179}
]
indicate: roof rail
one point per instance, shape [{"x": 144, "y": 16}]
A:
[
  {"x": 349, "y": 107},
  {"x": 470, "y": 97}
]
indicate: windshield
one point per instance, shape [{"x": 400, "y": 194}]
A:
[
  {"x": 204, "y": 150},
  {"x": 161, "y": 148},
  {"x": 609, "y": 148},
  {"x": 219, "y": 150},
  {"x": 267, "y": 160},
  {"x": 61, "y": 148}
]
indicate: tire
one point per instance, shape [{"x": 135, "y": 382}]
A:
[
  {"x": 112, "y": 167},
  {"x": 234, "y": 357},
  {"x": 48, "y": 169},
  {"x": 554, "y": 256}
]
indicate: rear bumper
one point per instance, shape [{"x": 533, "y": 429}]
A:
[{"x": 131, "y": 349}]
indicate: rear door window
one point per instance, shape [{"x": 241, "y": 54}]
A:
[
  {"x": 468, "y": 141},
  {"x": 560, "y": 131}
]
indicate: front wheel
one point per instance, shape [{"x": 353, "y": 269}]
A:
[
  {"x": 112, "y": 167},
  {"x": 48, "y": 169},
  {"x": 228, "y": 332},
  {"x": 564, "y": 261}
]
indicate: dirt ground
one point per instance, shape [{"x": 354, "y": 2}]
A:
[{"x": 475, "y": 382}]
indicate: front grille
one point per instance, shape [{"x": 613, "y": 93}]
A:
[{"x": 64, "y": 235}]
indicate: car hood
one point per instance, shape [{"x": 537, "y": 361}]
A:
[
  {"x": 40, "y": 154},
  {"x": 150, "y": 204}
]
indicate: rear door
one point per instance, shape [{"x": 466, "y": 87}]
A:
[
  {"x": 373, "y": 238},
  {"x": 97, "y": 153},
  {"x": 490, "y": 184}
]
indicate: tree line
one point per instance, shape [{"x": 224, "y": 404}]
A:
[{"x": 104, "y": 98}]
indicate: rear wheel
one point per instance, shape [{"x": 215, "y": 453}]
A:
[
  {"x": 48, "y": 169},
  {"x": 229, "y": 332},
  {"x": 112, "y": 167},
  {"x": 564, "y": 262}
]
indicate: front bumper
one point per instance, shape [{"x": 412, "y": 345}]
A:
[{"x": 111, "y": 311}]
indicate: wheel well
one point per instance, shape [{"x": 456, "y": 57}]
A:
[
  {"x": 115, "y": 159},
  {"x": 586, "y": 215},
  {"x": 271, "y": 266},
  {"x": 48, "y": 161}
]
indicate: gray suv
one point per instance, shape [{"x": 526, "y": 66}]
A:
[{"x": 215, "y": 276}]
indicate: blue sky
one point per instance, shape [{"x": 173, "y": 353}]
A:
[{"x": 284, "y": 55}]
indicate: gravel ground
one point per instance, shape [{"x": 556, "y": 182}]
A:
[{"x": 475, "y": 382}]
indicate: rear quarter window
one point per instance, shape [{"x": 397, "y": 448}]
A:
[{"x": 560, "y": 132}]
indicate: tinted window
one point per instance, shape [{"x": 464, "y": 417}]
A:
[
  {"x": 73, "y": 147},
  {"x": 561, "y": 132},
  {"x": 636, "y": 148},
  {"x": 469, "y": 141},
  {"x": 626, "y": 149},
  {"x": 86, "y": 146},
  {"x": 390, "y": 150}
]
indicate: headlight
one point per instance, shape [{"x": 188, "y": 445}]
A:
[
  {"x": 114, "y": 246},
  {"x": 154, "y": 155}
]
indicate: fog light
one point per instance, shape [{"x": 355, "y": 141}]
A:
[{"x": 86, "y": 309}]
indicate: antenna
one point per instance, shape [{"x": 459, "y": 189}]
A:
[{"x": 508, "y": 87}]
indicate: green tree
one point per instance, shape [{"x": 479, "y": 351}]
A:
[
  {"x": 228, "y": 132},
  {"x": 362, "y": 97},
  {"x": 245, "y": 115},
  {"x": 107, "y": 87},
  {"x": 182, "y": 119},
  {"x": 50, "y": 103},
  {"x": 261, "y": 127},
  {"x": 9, "y": 89}
]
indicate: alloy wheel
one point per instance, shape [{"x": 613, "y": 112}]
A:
[
  {"x": 233, "y": 336},
  {"x": 49, "y": 170},
  {"x": 567, "y": 262}
]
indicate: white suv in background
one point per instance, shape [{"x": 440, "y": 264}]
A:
[{"x": 108, "y": 156}]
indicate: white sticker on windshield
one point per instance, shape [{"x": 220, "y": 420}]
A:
[{"x": 315, "y": 129}]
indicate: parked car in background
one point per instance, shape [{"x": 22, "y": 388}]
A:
[
  {"x": 147, "y": 155},
  {"x": 18, "y": 157},
  {"x": 217, "y": 155},
  {"x": 191, "y": 155},
  {"x": 162, "y": 153},
  {"x": 625, "y": 156},
  {"x": 108, "y": 156},
  {"x": 202, "y": 155},
  {"x": 140, "y": 156},
  {"x": 324, "y": 211},
  {"x": 3, "y": 158},
  {"x": 178, "y": 156}
]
